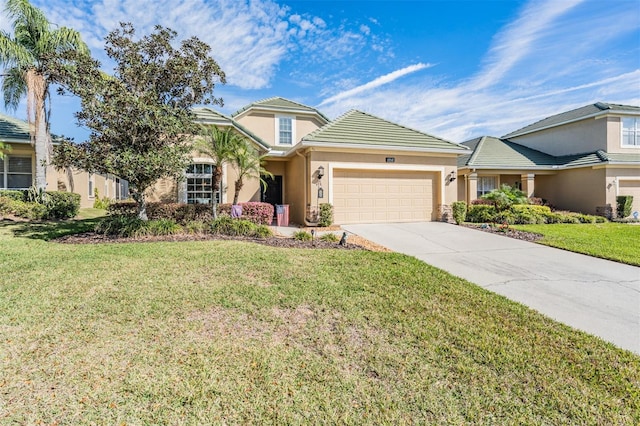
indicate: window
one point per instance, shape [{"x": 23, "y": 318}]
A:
[
  {"x": 91, "y": 185},
  {"x": 15, "y": 172},
  {"x": 631, "y": 131},
  {"x": 285, "y": 130},
  {"x": 486, "y": 184},
  {"x": 199, "y": 184}
]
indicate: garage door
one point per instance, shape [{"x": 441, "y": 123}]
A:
[
  {"x": 361, "y": 196},
  {"x": 631, "y": 187}
]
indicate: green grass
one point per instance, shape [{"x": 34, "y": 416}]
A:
[
  {"x": 613, "y": 241},
  {"x": 226, "y": 332}
]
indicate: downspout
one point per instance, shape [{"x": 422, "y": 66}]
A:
[{"x": 306, "y": 191}]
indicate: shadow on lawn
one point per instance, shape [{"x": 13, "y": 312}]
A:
[{"x": 50, "y": 230}]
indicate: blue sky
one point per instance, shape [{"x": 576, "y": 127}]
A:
[{"x": 454, "y": 69}]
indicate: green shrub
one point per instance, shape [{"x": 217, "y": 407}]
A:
[
  {"x": 122, "y": 226},
  {"x": 163, "y": 227},
  {"x": 505, "y": 197},
  {"x": 330, "y": 238},
  {"x": 623, "y": 205},
  {"x": 480, "y": 213},
  {"x": 459, "y": 210},
  {"x": 326, "y": 215},
  {"x": 253, "y": 211},
  {"x": 525, "y": 214},
  {"x": 505, "y": 216},
  {"x": 226, "y": 225},
  {"x": 302, "y": 236},
  {"x": 62, "y": 205},
  {"x": 33, "y": 211},
  {"x": 123, "y": 208},
  {"x": 36, "y": 195},
  {"x": 13, "y": 194},
  {"x": 6, "y": 205},
  {"x": 263, "y": 231},
  {"x": 601, "y": 219},
  {"x": 101, "y": 203},
  {"x": 195, "y": 227}
]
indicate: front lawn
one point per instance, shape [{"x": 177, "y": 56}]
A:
[
  {"x": 230, "y": 332},
  {"x": 614, "y": 241}
]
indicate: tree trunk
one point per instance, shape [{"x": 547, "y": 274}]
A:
[
  {"x": 37, "y": 85},
  {"x": 239, "y": 185},
  {"x": 215, "y": 184},
  {"x": 141, "y": 203}
]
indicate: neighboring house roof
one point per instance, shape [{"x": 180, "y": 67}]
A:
[
  {"x": 359, "y": 129},
  {"x": 14, "y": 130},
  {"x": 588, "y": 111},
  {"x": 279, "y": 104},
  {"x": 495, "y": 153},
  {"x": 208, "y": 116}
]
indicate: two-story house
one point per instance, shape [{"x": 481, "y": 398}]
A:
[
  {"x": 369, "y": 169},
  {"x": 579, "y": 160}
]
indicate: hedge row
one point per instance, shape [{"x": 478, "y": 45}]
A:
[
  {"x": 258, "y": 213},
  {"x": 526, "y": 214},
  {"x": 56, "y": 205}
]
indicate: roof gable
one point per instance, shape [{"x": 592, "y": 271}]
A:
[
  {"x": 359, "y": 128},
  {"x": 209, "y": 116},
  {"x": 587, "y": 111},
  {"x": 278, "y": 104}
]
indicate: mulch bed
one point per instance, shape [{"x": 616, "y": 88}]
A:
[
  {"x": 95, "y": 238},
  {"x": 507, "y": 232}
]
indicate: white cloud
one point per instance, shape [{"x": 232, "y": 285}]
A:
[{"x": 380, "y": 81}]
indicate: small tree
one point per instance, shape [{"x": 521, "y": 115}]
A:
[
  {"x": 140, "y": 118},
  {"x": 218, "y": 145},
  {"x": 248, "y": 163},
  {"x": 505, "y": 197}
]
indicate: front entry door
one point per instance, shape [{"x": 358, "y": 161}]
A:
[{"x": 273, "y": 193}]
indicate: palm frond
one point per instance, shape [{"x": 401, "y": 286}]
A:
[
  {"x": 14, "y": 87},
  {"x": 12, "y": 53}
]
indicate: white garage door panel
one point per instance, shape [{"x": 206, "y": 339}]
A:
[
  {"x": 382, "y": 196},
  {"x": 631, "y": 187}
]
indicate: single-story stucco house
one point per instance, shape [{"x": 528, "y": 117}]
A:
[
  {"x": 369, "y": 169},
  {"x": 17, "y": 168},
  {"x": 578, "y": 160}
]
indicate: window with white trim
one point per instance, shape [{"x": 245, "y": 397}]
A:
[
  {"x": 285, "y": 130},
  {"x": 486, "y": 184},
  {"x": 199, "y": 184},
  {"x": 92, "y": 180},
  {"x": 15, "y": 172},
  {"x": 631, "y": 131}
]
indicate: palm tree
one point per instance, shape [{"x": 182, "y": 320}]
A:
[
  {"x": 218, "y": 145},
  {"x": 248, "y": 163},
  {"x": 24, "y": 58}
]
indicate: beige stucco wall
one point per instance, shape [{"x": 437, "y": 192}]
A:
[
  {"x": 582, "y": 136},
  {"x": 614, "y": 137},
  {"x": 581, "y": 190},
  {"x": 294, "y": 190},
  {"x": 614, "y": 175}
]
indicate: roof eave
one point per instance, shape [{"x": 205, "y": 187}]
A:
[
  {"x": 308, "y": 144},
  {"x": 574, "y": 120}
]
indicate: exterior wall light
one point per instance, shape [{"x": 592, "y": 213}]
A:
[
  {"x": 320, "y": 172},
  {"x": 452, "y": 176}
]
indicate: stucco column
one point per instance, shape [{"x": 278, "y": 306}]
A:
[
  {"x": 472, "y": 187},
  {"x": 528, "y": 184}
]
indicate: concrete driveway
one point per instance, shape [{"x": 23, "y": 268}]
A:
[{"x": 594, "y": 295}]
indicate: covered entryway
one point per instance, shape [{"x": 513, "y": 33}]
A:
[
  {"x": 374, "y": 196},
  {"x": 631, "y": 187}
]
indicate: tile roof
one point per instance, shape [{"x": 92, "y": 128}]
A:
[
  {"x": 281, "y": 104},
  {"x": 495, "y": 153},
  {"x": 14, "y": 130},
  {"x": 359, "y": 128},
  {"x": 599, "y": 108}
]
